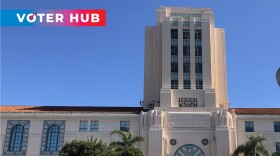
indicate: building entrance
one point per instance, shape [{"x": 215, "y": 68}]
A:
[{"x": 189, "y": 150}]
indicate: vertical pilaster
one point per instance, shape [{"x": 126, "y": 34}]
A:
[
  {"x": 192, "y": 54},
  {"x": 206, "y": 54},
  {"x": 166, "y": 54}
]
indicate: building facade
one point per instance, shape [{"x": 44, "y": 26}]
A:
[{"x": 185, "y": 108}]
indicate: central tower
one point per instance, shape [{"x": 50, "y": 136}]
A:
[{"x": 185, "y": 63}]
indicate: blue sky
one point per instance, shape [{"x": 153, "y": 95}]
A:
[{"x": 103, "y": 66}]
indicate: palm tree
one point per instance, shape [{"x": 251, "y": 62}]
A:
[
  {"x": 126, "y": 146},
  {"x": 253, "y": 147}
]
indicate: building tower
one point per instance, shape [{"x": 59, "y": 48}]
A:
[
  {"x": 185, "y": 86},
  {"x": 185, "y": 63}
]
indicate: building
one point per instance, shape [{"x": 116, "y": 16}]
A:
[{"x": 185, "y": 109}]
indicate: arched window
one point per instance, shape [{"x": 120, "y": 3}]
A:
[
  {"x": 189, "y": 150},
  {"x": 16, "y": 138},
  {"x": 52, "y": 141}
]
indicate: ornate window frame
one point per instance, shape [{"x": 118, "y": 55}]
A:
[
  {"x": 46, "y": 125},
  {"x": 10, "y": 125}
]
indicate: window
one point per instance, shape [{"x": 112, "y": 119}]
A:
[
  {"x": 277, "y": 146},
  {"x": 174, "y": 76},
  {"x": 199, "y": 84},
  {"x": 198, "y": 34},
  {"x": 186, "y": 59},
  {"x": 186, "y": 34},
  {"x": 125, "y": 125},
  {"x": 186, "y": 68},
  {"x": 249, "y": 126},
  {"x": 174, "y": 67},
  {"x": 197, "y": 24},
  {"x": 151, "y": 106},
  {"x": 276, "y": 126},
  {"x": 174, "y": 58},
  {"x": 187, "y": 84},
  {"x": 198, "y": 68},
  {"x": 94, "y": 126},
  {"x": 185, "y": 15},
  {"x": 174, "y": 84},
  {"x": 83, "y": 126},
  {"x": 174, "y": 34},
  {"x": 174, "y": 50},
  {"x": 186, "y": 50},
  {"x": 16, "y": 138},
  {"x": 174, "y": 23},
  {"x": 52, "y": 137},
  {"x": 198, "y": 51},
  {"x": 52, "y": 141},
  {"x": 186, "y": 24},
  {"x": 174, "y": 53}
]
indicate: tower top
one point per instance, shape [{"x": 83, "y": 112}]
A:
[{"x": 185, "y": 61}]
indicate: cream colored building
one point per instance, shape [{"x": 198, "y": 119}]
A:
[{"x": 185, "y": 109}]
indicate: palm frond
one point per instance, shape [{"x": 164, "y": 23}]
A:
[
  {"x": 261, "y": 150},
  {"x": 239, "y": 149}
]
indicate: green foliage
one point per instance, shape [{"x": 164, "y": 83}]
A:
[
  {"x": 96, "y": 147},
  {"x": 90, "y": 147},
  {"x": 276, "y": 154},
  {"x": 252, "y": 147},
  {"x": 126, "y": 146}
]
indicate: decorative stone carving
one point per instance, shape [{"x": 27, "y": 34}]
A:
[
  {"x": 187, "y": 102},
  {"x": 173, "y": 142}
]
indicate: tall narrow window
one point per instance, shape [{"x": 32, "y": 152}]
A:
[
  {"x": 198, "y": 60},
  {"x": 186, "y": 59},
  {"x": 277, "y": 146},
  {"x": 83, "y": 126},
  {"x": 174, "y": 59},
  {"x": 186, "y": 34},
  {"x": 198, "y": 34},
  {"x": 16, "y": 138},
  {"x": 276, "y": 126},
  {"x": 94, "y": 126},
  {"x": 52, "y": 137},
  {"x": 174, "y": 34},
  {"x": 52, "y": 141}
]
